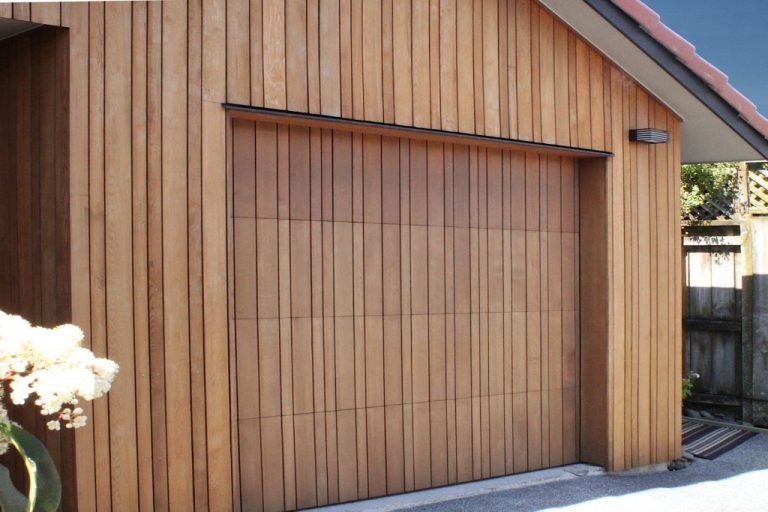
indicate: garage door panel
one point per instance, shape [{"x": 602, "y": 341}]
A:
[
  {"x": 391, "y": 269},
  {"x": 393, "y": 360},
  {"x": 244, "y": 189},
  {"x": 518, "y": 191},
  {"x": 266, "y": 171},
  {"x": 299, "y": 169},
  {"x": 390, "y": 180},
  {"x": 495, "y": 190},
  {"x": 435, "y": 184},
  {"x": 406, "y": 313}
]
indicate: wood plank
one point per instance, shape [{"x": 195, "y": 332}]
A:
[
  {"x": 296, "y": 62},
  {"x": 373, "y": 98},
  {"x": 434, "y": 63},
  {"x": 97, "y": 230},
  {"x": 547, "y": 77},
  {"x": 535, "y": 70},
  {"x": 464, "y": 67},
  {"x": 77, "y": 133},
  {"x": 503, "y": 71},
  {"x": 256, "y": 63},
  {"x": 583, "y": 89},
  {"x": 561, "y": 77},
  {"x": 238, "y": 52},
  {"x": 401, "y": 48},
  {"x": 175, "y": 250},
  {"x": 376, "y": 453},
  {"x": 593, "y": 257},
  {"x": 477, "y": 60},
  {"x": 274, "y": 55},
  {"x": 299, "y": 173},
  {"x": 347, "y": 446},
  {"x": 313, "y": 56},
  {"x": 372, "y": 179},
  {"x": 250, "y": 467},
  {"x": 45, "y": 13},
  {"x": 596, "y": 100},
  {"x": 306, "y": 483},
  {"x": 448, "y": 66},
  {"x": 421, "y": 446},
  {"x": 644, "y": 292},
  {"x": 387, "y": 59},
  {"x": 664, "y": 212},
  {"x": 420, "y": 62},
  {"x": 374, "y": 364},
  {"x": 283, "y": 172},
  {"x": 321, "y": 459},
  {"x": 618, "y": 277},
  {"x": 272, "y": 463},
  {"x": 345, "y": 53},
  {"x": 534, "y": 438},
  {"x": 490, "y": 31},
  {"x": 300, "y": 355},
  {"x": 155, "y": 254},
  {"x": 330, "y": 63}
]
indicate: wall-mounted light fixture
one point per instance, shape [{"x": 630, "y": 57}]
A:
[{"x": 649, "y": 135}]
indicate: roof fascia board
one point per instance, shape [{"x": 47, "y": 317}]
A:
[{"x": 680, "y": 72}]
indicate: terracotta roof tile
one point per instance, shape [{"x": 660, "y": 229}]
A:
[{"x": 650, "y": 21}]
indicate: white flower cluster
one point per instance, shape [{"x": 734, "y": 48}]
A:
[{"x": 51, "y": 364}]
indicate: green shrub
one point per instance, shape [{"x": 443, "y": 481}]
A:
[
  {"x": 702, "y": 184},
  {"x": 688, "y": 384}
]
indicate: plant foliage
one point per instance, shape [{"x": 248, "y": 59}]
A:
[
  {"x": 44, "y": 482},
  {"x": 707, "y": 184},
  {"x": 688, "y": 384}
]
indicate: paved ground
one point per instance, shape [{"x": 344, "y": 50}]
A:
[{"x": 737, "y": 481}]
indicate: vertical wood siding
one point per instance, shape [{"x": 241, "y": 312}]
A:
[
  {"x": 643, "y": 252},
  {"x": 35, "y": 207},
  {"x": 149, "y": 221},
  {"x": 391, "y": 298}
]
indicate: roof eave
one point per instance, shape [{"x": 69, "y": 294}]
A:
[{"x": 668, "y": 61}]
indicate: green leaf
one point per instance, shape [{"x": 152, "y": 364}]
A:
[
  {"x": 44, "y": 482},
  {"x": 11, "y": 500}
]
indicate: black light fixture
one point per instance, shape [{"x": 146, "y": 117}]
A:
[{"x": 649, "y": 135}]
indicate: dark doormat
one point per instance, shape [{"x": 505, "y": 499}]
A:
[{"x": 709, "y": 441}]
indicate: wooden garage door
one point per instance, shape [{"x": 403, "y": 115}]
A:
[{"x": 405, "y": 313}]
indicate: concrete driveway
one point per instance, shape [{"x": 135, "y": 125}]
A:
[{"x": 737, "y": 481}]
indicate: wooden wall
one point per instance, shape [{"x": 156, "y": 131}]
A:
[
  {"x": 406, "y": 313},
  {"x": 34, "y": 205},
  {"x": 644, "y": 304},
  {"x": 148, "y": 195}
]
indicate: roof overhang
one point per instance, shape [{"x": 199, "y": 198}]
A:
[
  {"x": 712, "y": 129},
  {"x": 10, "y": 28}
]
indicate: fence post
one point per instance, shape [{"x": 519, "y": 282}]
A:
[
  {"x": 758, "y": 317},
  {"x": 747, "y": 354}
]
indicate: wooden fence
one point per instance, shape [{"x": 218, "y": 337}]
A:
[
  {"x": 726, "y": 300},
  {"x": 749, "y": 196},
  {"x": 757, "y": 180},
  {"x": 712, "y": 316}
]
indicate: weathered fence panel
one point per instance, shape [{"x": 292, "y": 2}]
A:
[
  {"x": 756, "y": 323},
  {"x": 712, "y": 317},
  {"x": 725, "y": 316}
]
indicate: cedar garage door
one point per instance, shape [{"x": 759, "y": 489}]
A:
[{"x": 405, "y": 313}]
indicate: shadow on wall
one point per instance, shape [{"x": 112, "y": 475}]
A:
[
  {"x": 725, "y": 341},
  {"x": 35, "y": 206}
]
